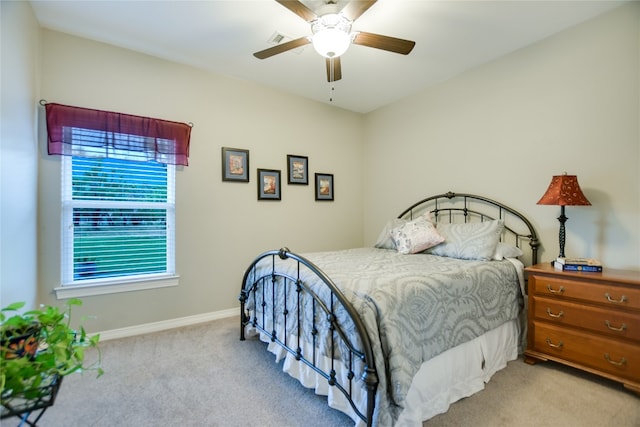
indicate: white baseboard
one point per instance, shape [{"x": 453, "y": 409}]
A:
[{"x": 163, "y": 325}]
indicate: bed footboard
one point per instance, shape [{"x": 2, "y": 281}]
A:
[{"x": 272, "y": 301}]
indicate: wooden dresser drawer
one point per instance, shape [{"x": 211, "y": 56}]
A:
[
  {"x": 590, "y": 321},
  {"x": 599, "y": 293},
  {"x": 617, "y": 358},
  {"x": 615, "y": 323}
]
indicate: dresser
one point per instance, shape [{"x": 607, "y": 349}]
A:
[{"x": 586, "y": 320}]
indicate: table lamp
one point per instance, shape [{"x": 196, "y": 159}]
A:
[{"x": 564, "y": 190}]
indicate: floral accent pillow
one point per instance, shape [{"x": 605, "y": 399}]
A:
[
  {"x": 470, "y": 240},
  {"x": 416, "y": 236}
]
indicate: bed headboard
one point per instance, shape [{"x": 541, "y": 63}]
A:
[{"x": 459, "y": 207}]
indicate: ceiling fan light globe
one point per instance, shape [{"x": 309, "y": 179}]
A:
[{"x": 331, "y": 42}]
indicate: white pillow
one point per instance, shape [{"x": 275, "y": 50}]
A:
[
  {"x": 416, "y": 236},
  {"x": 384, "y": 239},
  {"x": 504, "y": 250},
  {"x": 471, "y": 240}
]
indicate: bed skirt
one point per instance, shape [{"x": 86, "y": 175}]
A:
[{"x": 457, "y": 373}]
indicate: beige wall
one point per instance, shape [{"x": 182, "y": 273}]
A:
[
  {"x": 220, "y": 226},
  {"x": 18, "y": 154},
  {"x": 569, "y": 103}
]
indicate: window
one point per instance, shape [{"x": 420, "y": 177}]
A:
[
  {"x": 118, "y": 198},
  {"x": 117, "y": 221}
]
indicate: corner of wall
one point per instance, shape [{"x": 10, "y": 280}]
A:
[{"x": 18, "y": 210}]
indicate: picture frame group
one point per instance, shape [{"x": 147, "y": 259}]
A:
[{"x": 235, "y": 168}]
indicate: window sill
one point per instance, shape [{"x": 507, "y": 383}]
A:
[{"x": 103, "y": 288}]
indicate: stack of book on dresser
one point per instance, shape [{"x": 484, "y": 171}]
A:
[{"x": 577, "y": 264}]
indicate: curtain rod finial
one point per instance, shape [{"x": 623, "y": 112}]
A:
[{"x": 43, "y": 102}]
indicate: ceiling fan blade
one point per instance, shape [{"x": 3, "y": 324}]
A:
[
  {"x": 263, "y": 54},
  {"x": 354, "y": 9},
  {"x": 299, "y": 9},
  {"x": 334, "y": 74},
  {"x": 377, "y": 41}
]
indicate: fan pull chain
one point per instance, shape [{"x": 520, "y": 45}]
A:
[{"x": 331, "y": 79}]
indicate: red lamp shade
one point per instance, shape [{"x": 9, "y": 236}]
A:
[{"x": 564, "y": 191}]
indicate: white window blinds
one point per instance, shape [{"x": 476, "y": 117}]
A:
[{"x": 118, "y": 220}]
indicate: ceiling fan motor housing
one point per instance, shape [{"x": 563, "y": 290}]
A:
[{"x": 331, "y": 34}]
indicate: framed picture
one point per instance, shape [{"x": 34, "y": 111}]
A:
[
  {"x": 298, "y": 169},
  {"x": 235, "y": 164},
  {"x": 324, "y": 186},
  {"x": 268, "y": 184}
]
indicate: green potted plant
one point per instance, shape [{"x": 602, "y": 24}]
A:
[{"x": 38, "y": 348}]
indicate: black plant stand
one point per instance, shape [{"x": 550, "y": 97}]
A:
[{"x": 25, "y": 408}]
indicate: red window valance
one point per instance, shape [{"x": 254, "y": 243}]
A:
[{"x": 85, "y": 132}]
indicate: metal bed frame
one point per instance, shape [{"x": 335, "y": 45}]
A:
[{"x": 448, "y": 207}]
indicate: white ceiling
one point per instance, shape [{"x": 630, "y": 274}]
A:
[{"x": 451, "y": 37}]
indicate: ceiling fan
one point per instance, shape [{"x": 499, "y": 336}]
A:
[{"x": 332, "y": 34}]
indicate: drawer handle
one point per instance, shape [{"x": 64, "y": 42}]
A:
[
  {"x": 619, "y": 301},
  {"x": 559, "y": 345},
  {"x": 553, "y": 291},
  {"x": 613, "y": 328},
  {"x": 622, "y": 361},
  {"x": 555, "y": 315}
]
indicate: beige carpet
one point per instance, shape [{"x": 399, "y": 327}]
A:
[{"x": 204, "y": 376}]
